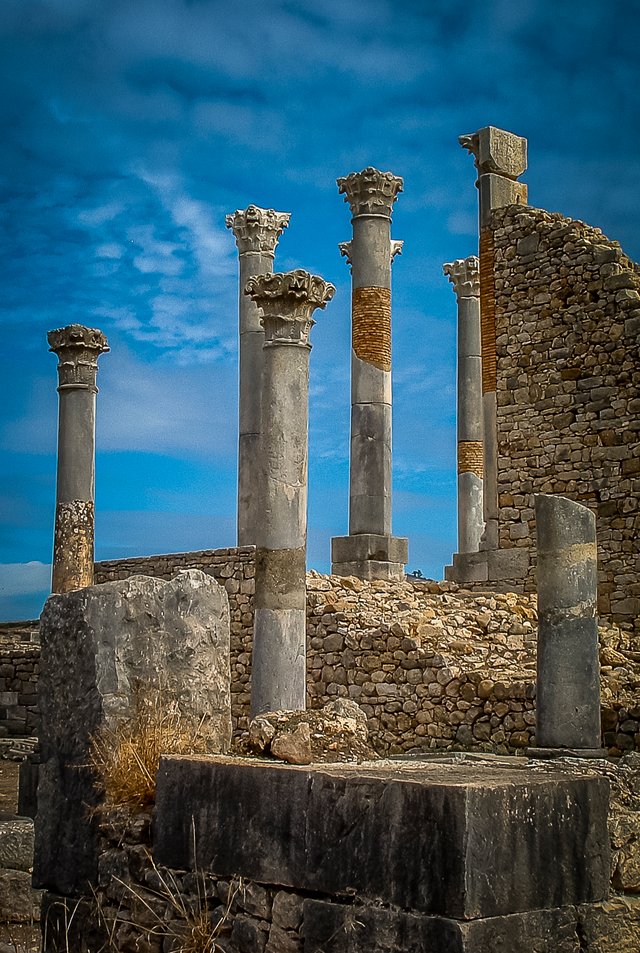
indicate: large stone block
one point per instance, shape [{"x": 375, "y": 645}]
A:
[
  {"x": 462, "y": 841},
  {"x": 16, "y": 842},
  {"x": 100, "y": 645},
  {"x": 346, "y": 549},
  {"x": 19, "y": 902},
  {"x": 340, "y": 928}
]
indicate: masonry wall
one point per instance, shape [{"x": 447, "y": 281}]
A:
[
  {"x": 567, "y": 331},
  {"x": 431, "y": 665},
  {"x": 19, "y": 670}
]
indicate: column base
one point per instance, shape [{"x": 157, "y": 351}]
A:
[
  {"x": 370, "y": 556},
  {"x": 490, "y": 566}
]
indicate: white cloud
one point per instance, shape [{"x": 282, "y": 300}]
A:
[{"x": 21, "y": 579}]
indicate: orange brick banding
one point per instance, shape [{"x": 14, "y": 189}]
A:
[
  {"x": 488, "y": 312},
  {"x": 470, "y": 457},
  {"x": 371, "y": 326}
]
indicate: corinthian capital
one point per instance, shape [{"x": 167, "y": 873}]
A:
[
  {"x": 464, "y": 275},
  {"x": 370, "y": 192},
  {"x": 78, "y": 349},
  {"x": 498, "y": 151},
  {"x": 287, "y": 301},
  {"x": 257, "y": 229}
]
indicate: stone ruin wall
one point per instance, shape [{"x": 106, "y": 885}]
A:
[
  {"x": 567, "y": 313},
  {"x": 430, "y": 664},
  {"x": 19, "y": 670}
]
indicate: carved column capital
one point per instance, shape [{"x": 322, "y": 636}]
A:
[
  {"x": 287, "y": 301},
  {"x": 78, "y": 349},
  {"x": 464, "y": 275},
  {"x": 370, "y": 192},
  {"x": 257, "y": 229},
  {"x": 497, "y": 151},
  {"x": 345, "y": 251},
  {"x": 396, "y": 248}
]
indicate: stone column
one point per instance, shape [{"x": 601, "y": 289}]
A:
[
  {"x": 256, "y": 231},
  {"x": 568, "y": 678},
  {"x": 500, "y": 158},
  {"x": 287, "y": 302},
  {"x": 78, "y": 349},
  {"x": 464, "y": 274},
  {"x": 370, "y": 551}
]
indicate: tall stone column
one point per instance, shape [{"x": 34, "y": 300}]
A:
[
  {"x": 500, "y": 158},
  {"x": 370, "y": 551},
  {"x": 286, "y": 302},
  {"x": 464, "y": 274},
  {"x": 568, "y": 677},
  {"x": 78, "y": 349},
  {"x": 256, "y": 231}
]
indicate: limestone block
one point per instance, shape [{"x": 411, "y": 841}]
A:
[
  {"x": 463, "y": 840},
  {"x": 19, "y": 902},
  {"x": 16, "y": 842},
  {"x": 363, "y": 546},
  {"x": 98, "y": 646},
  {"x": 337, "y": 928}
]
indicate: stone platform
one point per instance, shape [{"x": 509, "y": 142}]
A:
[{"x": 399, "y": 856}]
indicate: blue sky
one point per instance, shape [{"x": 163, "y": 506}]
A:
[{"x": 129, "y": 129}]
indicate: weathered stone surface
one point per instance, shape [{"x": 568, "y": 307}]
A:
[
  {"x": 99, "y": 646},
  {"x": 335, "y": 928},
  {"x": 338, "y": 732},
  {"x": 568, "y": 682},
  {"x": 438, "y": 839},
  {"x": 16, "y": 842},
  {"x": 612, "y": 926},
  {"x": 293, "y": 746},
  {"x": 19, "y": 902}
]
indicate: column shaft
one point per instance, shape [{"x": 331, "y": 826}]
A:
[
  {"x": 568, "y": 677},
  {"x": 370, "y": 551},
  {"x": 278, "y": 680},
  {"x": 464, "y": 275},
  {"x": 501, "y": 158},
  {"x": 78, "y": 349},
  {"x": 256, "y": 231}
]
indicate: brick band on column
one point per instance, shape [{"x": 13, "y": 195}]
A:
[
  {"x": 371, "y": 326},
  {"x": 488, "y": 312},
  {"x": 470, "y": 457}
]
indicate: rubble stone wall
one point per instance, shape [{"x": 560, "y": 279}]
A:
[
  {"x": 568, "y": 401},
  {"x": 19, "y": 670},
  {"x": 431, "y": 665}
]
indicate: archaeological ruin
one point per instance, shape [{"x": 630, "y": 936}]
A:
[{"x": 360, "y": 762}]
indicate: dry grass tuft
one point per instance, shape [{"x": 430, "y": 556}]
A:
[
  {"x": 187, "y": 926},
  {"x": 126, "y": 758}
]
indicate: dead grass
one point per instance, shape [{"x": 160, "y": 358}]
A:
[
  {"x": 188, "y": 925},
  {"x": 126, "y": 758}
]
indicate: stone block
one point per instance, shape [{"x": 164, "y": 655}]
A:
[
  {"x": 461, "y": 841},
  {"x": 363, "y": 546},
  {"x": 16, "y": 842},
  {"x": 28, "y": 788},
  {"x": 501, "y": 152},
  {"x": 370, "y": 569},
  {"x": 338, "y": 928},
  {"x": 468, "y": 567},
  {"x": 99, "y": 645},
  {"x": 19, "y": 902},
  {"x": 508, "y": 563}
]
